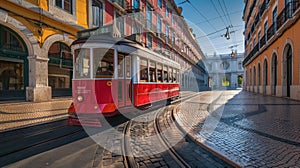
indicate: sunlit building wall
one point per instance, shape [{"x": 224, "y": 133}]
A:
[{"x": 272, "y": 47}]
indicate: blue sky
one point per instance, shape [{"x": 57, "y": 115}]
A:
[{"x": 210, "y": 24}]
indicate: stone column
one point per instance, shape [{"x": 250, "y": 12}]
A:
[
  {"x": 234, "y": 80},
  {"x": 38, "y": 89}
]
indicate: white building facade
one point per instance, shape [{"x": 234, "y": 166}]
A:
[{"x": 225, "y": 71}]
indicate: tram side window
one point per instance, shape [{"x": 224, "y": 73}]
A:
[
  {"x": 174, "y": 75},
  {"x": 170, "y": 75},
  {"x": 103, "y": 63},
  {"x": 178, "y": 76},
  {"x": 152, "y": 72},
  {"x": 82, "y": 63},
  {"x": 121, "y": 65},
  {"x": 143, "y": 70},
  {"x": 165, "y": 69},
  {"x": 159, "y": 73},
  {"x": 128, "y": 67}
]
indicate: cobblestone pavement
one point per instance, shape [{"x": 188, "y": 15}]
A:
[
  {"x": 249, "y": 129},
  {"x": 20, "y": 114},
  {"x": 145, "y": 148}
]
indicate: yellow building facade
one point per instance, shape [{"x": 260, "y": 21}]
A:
[
  {"x": 35, "y": 57},
  {"x": 272, "y": 47}
]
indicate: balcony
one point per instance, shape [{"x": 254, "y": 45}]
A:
[
  {"x": 150, "y": 26},
  {"x": 132, "y": 9},
  {"x": 271, "y": 31},
  {"x": 107, "y": 29},
  {"x": 287, "y": 13},
  {"x": 262, "y": 41},
  {"x": 263, "y": 8},
  {"x": 161, "y": 36},
  {"x": 122, "y": 3},
  {"x": 139, "y": 17},
  {"x": 134, "y": 37}
]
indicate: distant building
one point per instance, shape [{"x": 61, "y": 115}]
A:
[
  {"x": 272, "y": 47},
  {"x": 225, "y": 71}
]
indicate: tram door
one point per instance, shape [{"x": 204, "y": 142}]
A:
[{"x": 124, "y": 78}]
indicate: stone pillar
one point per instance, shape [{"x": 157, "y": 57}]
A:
[
  {"x": 234, "y": 81},
  {"x": 38, "y": 89}
]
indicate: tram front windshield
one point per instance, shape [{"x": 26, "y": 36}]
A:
[
  {"x": 103, "y": 63},
  {"x": 82, "y": 63}
]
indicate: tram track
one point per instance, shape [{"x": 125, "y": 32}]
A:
[
  {"x": 30, "y": 143},
  {"x": 164, "y": 141},
  {"x": 127, "y": 153},
  {"x": 131, "y": 126},
  {"x": 22, "y": 135},
  {"x": 171, "y": 137}
]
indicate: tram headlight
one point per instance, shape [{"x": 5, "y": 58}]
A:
[{"x": 79, "y": 98}]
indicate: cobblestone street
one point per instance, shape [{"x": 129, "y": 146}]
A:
[
  {"x": 23, "y": 114},
  {"x": 248, "y": 129}
]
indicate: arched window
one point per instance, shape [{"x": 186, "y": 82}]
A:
[
  {"x": 60, "y": 69},
  {"x": 60, "y": 54},
  {"x": 10, "y": 41},
  {"x": 13, "y": 65}
]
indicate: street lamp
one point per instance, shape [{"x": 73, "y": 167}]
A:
[
  {"x": 232, "y": 54},
  {"x": 227, "y": 35}
]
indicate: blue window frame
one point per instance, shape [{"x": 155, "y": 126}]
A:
[
  {"x": 167, "y": 11},
  {"x": 159, "y": 3},
  {"x": 159, "y": 24}
]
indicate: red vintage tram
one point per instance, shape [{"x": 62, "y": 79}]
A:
[{"x": 112, "y": 73}]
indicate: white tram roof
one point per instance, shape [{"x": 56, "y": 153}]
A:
[{"x": 124, "y": 46}]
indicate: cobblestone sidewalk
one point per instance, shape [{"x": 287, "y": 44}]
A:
[
  {"x": 21, "y": 114},
  {"x": 250, "y": 130}
]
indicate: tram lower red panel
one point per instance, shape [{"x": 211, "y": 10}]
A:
[
  {"x": 147, "y": 93},
  {"x": 97, "y": 96},
  {"x": 101, "y": 96}
]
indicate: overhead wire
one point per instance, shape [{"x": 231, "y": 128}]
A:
[
  {"x": 229, "y": 19},
  {"x": 214, "y": 18},
  {"x": 196, "y": 9},
  {"x": 227, "y": 12},
  {"x": 212, "y": 33},
  {"x": 223, "y": 11},
  {"x": 218, "y": 12}
]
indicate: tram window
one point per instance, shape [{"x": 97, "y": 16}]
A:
[
  {"x": 103, "y": 63},
  {"x": 128, "y": 67},
  {"x": 152, "y": 73},
  {"x": 120, "y": 65},
  {"x": 82, "y": 63},
  {"x": 165, "y": 69},
  {"x": 170, "y": 75},
  {"x": 178, "y": 76},
  {"x": 143, "y": 70},
  {"x": 159, "y": 73},
  {"x": 174, "y": 75}
]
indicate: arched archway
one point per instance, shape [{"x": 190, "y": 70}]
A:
[
  {"x": 13, "y": 65},
  {"x": 274, "y": 73},
  {"x": 60, "y": 69},
  {"x": 254, "y": 79},
  {"x": 60, "y": 64},
  {"x": 250, "y": 79},
  {"x": 240, "y": 81},
  {"x": 287, "y": 69},
  {"x": 265, "y": 76},
  {"x": 258, "y": 77}
]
